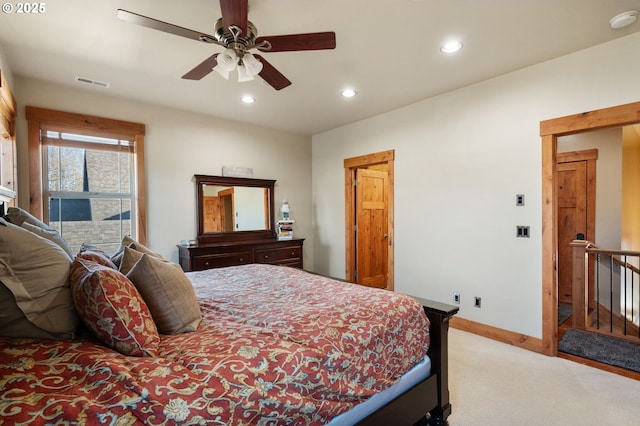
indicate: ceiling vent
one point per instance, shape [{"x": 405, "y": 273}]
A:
[{"x": 93, "y": 82}]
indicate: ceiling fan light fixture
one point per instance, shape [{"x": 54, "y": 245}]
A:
[
  {"x": 253, "y": 65},
  {"x": 227, "y": 60},
  {"x": 243, "y": 74},
  {"x": 248, "y": 99},
  {"x": 223, "y": 72}
]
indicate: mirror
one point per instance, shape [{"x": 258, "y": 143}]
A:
[{"x": 232, "y": 209}]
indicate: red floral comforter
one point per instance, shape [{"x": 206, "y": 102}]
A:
[{"x": 277, "y": 346}]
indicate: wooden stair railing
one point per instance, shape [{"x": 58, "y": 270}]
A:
[{"x": 580, "y": 295}]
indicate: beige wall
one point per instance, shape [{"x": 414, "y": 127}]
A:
[
  {"x": 461, "y": 158},
  {"x": 179, "y": 144}
]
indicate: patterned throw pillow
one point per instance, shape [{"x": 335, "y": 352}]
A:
[{"x": 111, "y": 307}]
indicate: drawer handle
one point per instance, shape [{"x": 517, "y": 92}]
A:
[
  {"x": 242, "y": 259},
  {"x": 266, "y": 256},
  {"x": 293, "y": 253},
  {"x": 206, "y": 263}
]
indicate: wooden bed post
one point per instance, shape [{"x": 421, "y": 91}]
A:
[{"x": 439, "y": 315}]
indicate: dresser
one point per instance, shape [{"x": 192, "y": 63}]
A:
[{"x": 231, "y": 253}]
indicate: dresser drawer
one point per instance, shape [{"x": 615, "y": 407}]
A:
[
  {"x": 279, "y": 255},
  {"x": 221, "y": 260}
]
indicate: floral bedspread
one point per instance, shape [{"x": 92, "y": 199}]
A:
[{"x": 278, "y": 346}]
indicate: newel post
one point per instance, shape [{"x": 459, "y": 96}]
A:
[{"x": 579, "y": 294}]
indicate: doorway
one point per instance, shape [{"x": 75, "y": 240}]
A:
[
  {"x": 369, "y": 219},
  {"x": 576, "y": 179},
  {"x": 550, "y": 130}
]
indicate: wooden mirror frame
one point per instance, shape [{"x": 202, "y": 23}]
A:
[{"x": 218, "y": 237}]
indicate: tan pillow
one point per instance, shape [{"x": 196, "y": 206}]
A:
[
  {"x": 26, "y": 220},
  {"x": 127, "y": 241},
  {"x": 13, "y": 323},
  {"x": 165, "y": 289},
  {"x": 36, "y": 272},
  {"x": 129, "y": 258}
]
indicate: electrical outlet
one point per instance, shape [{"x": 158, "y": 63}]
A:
[
  {"x": 456, "y": 298},
  {"x": 478, "y": 302}
]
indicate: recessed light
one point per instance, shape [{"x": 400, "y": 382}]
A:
[
  {"x": 451, "y": 46},
  {"x": 348, "y": 93},
  {"x": 248, "y": 99},
  {"x": 623, "y": 19}
]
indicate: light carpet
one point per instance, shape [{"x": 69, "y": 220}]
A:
[{"x": 496, "y": 384}]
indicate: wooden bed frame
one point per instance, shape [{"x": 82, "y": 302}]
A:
[{"x": 427, "y": 403}]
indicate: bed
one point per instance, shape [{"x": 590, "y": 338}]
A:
[{"x": 253, "y": 345}]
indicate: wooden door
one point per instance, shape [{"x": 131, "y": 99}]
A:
[
  {"x": 227, "y": 210},
  {"x": 572, "y": 220},
  {"x": 576, "y": 211},
  {"x": 381, "y": 161},
  {"x": 372, "y": 242},
  {"x": 211, "y": 214}
]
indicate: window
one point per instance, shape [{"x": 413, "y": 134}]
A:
[{"x": 86, "y": 173}]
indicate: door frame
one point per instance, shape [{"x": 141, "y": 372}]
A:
[
  {"x": 550, "y": 130},
  {"x": 350, "y": 166}
]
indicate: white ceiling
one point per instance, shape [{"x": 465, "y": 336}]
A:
[{"x": 388, "y": 50}]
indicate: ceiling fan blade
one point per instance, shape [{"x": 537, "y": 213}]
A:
[
  {"x": 272, "y": 75},
  {"x": 202, "y": 69},
  {"x": 145, "y": 21},
  {"x": 294, "y": 42},
  {"x": 235, "y": 12}
]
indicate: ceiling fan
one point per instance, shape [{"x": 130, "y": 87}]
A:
[{"x": 238, "y": 36}]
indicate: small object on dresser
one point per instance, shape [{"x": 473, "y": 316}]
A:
[
  {"x": 189, "y": 243},
  {"x": 285, "y": 229},
  {"x": 285, "y": 209}
]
